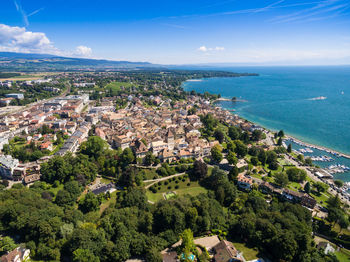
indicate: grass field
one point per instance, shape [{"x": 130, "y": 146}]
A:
[
  {"x": 116, "y": 86},
  {"x": 248, "y": 253},
  {"x": 343, "y": 255},
  {"x": 177, "y": 185}
]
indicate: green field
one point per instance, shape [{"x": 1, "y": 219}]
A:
[
  {"x": 248, "y": 253},
  {"x": 116, "y": 86},
  {"x": 343, "y": 255},
  {"x": 175, "y": 185}
]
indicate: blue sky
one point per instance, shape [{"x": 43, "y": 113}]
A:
[{"x": 181, "y": 32}]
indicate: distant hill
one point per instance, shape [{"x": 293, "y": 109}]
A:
[{"x": 42, "y": 62}]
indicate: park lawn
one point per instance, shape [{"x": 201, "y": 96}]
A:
[
  {"x": 343, "y": 255},
  {"x": 193, "y": 189},
  {"x": 148, "y": 174},
  {"x": 294, "y": 186},
  {"x": 322, "y": 199},
  {"x": 248, "y": 253},
  {"x": 116, "y": 86}
]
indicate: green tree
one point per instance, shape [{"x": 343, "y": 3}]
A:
[
  {"x": 280, "y": 133},
  {"x": 89, "y": 203},
  {"x": 281, "y": 179},
  {"x": 127, "y": 157},
  {"x": 94, "y": 147},
  {"x": 84, "y": 255},
  {"x": 320, "y": 187},
  {"x": 307, "y": 187},
  {"x": 296, "y": 174},
  {"x": 234, "y": 132},
  {"x": 339, "y": 183},
  {"x": 200, "y": 170},
  {"x": 279, "y": 141},
  {"x": 216, "y": 153},
  {"x": 7, "y": 244},
  {"x": 219, "y": 135},
  {"x": 231, "y": 158},
  {"x": 187, "y": 245},
  {"x": 241, "y": 149},
  {"x": 289, "y": 149}
]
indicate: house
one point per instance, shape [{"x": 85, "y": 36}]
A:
[
  {"x": 46, "y": 146},
  {"x": 31, "y": 178},
  {"x": 17, "y": 96},
  {"x": 244, "y": 182},
  {"x": 17, "y": 255},
  {"x": 122, "y": 141},
  {"x": 291, "y": 196},
  {"x": 140, "y": 149},
  {"x": 7, "y": 164},
  {"x": 266, "y": 187},
  {"x": 308, "y": 201},
  {"x": 326, "y": 247},
  {"x": 226, "y": 252},
  {"x": 6, "y": 101}
]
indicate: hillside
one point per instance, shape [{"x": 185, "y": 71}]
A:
[{"x": 42, "y": 62}]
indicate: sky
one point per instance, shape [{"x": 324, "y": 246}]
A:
[{"x": 263, "y": 32}]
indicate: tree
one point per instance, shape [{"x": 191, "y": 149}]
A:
[
  {"x": 320, "y": 187},
  {"x": 84, "y": 255},
  {"x": 89, "y": 203},
  {"x": 241, "y": 149},
  {"x": 280, "y": 133},
  {"x": 187, "y": 245},
  {"x": 231, "y": 158},
  {"x": 93, "y": 147},
  {"x": 7, "y": 244},
  {"x": 257, "y": 135},
  {"x": 307, "y": 187},
  {"x": 219, "y": 135},
  {"x": 281, "y": 179},
  {"x": 254, "y": 160},
  {"x": 279, "y": 141},
  {"x": 339, "y": 183},
  {"x": 200, "y": 169},
  {"x": 234, "y": 132},
  {"x": 216, "y": 153},
  {"x": 289, "y": 149},
  {"x": 232, "y": 175},
  {"x": 296, "y": 174},
  {"x": 127, "y": 157},
  {"x": 149, "y": 158}
]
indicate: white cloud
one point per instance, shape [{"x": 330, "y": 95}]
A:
[
  {"x": 18, "y": 39},
  {"x": 83, "y": 51},
  {"x": 208, "y": 49},
  {"x": 203, "y": 49}
]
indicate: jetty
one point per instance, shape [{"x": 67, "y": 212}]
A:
[{"x": 230, "y": 100}]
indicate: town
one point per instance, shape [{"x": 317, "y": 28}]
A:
[{"x": 136, "y": 144}]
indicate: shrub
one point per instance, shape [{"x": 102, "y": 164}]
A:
[
  {"x": 176, "y": 182},
  {"x": 188, "y": 184},
  {"x": 166, "y": 182},
  {"x": 169, "y": 187},
  {"x": 176, "y": 187}
]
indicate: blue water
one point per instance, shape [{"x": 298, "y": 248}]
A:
[{"x": 279, "y": 98}]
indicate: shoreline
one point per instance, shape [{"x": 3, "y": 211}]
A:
[{"x": 299, "y": 141}]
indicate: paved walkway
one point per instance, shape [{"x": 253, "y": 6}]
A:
[{"x": 160, "y": 179}]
